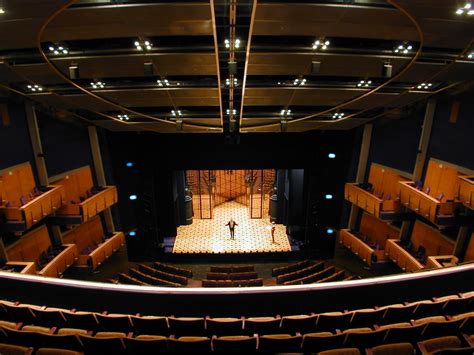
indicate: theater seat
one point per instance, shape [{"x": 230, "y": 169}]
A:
[
  {"x": 262, "y": 325},
  {"x": 103, "y": 343},
  {"x": 345, "y": 351},
  {"x": 298, "y": 324},
  {"x": 279, "y": 343},
  {"x": 53, "y": 351},
  {"x": 314, "y": 342},
  {"x": 333, "y": 320},
  {"x": 61, "y": 341},
  {"x": 402, "y": 333},
  {"x": 362, "y": 338},
  {"x": 398, "y": 313},
  {"x": 366, "y": 317},
  {"x": 146, "y": 344},
  {"x": 442, "y": 328},
  {"x": 82, "y": 320},
  {"x": 150, "y": 325},
  {"x": 15, "y": 349},
  {"x": 392, "y": 349},
  {"x": 114, "y": 322},
  {"x": 224, "y": 326},
  {"x": 49, "y": 317},
  {"x": 236, "y": 343},
  {"x": 11, "y": 325},
  {"x": 186, "y": 326},
  {"x": 192, "y": 345},
  {"x": 431, "y": 345}
]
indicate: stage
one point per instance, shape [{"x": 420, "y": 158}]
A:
[{"x": 211, "y": 236}]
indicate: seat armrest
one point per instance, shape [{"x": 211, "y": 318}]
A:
[
  {"x": 298, "y": 334},
  {"x": 422, "y": 348},
  {"x": 130, "y": 335},
  {"x": 52, "y": 330},
  {"x": 338, "y": 331},
  {"x": 376, "y": 326},
  {"x": 19, "y": 326}
]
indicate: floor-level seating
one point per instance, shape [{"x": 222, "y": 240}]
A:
[
  {"x": 232, "y": 283},
  {"x": 309, "y": 270},
  {"x": 173, "y": 269},
  {"x": 182, "y": 280},
  {"x": 312, "y": 278},
  {"x": 232, "y": 268},
  {"x": 151, "y": 280},
  {"x": 287, "y": 269},
  {"x": 232, "y": 276}
]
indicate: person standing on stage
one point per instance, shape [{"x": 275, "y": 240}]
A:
[
  {"x": 273, "y": 232},
  {"x": 231, "y": 225}
]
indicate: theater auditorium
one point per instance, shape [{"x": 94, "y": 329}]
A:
[{"x": 236, "y": 176}]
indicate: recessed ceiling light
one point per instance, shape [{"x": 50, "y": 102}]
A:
[
  {"x": 470, "y": 55},
  {"x": 465, "y": 10},
  {"x": 123, "y": 117},
  {"x": 34, "y": 88},
  {"x": 2, "y": 11},
  {"x": 58, "y": 49},
  {"x": 424, "y": 86},
  {"x": 285, "y": 112},
  {"x": 299, "y": 82},
  {"x": 143, "y": 45},
  {"x": 236, "y": 43},
  {"x": 403, "y": 48},
  {"x": 321, "y": 44},
  {"x": 364, "y": 83},
  {"x": 176, "y": 113},
  {"x": 163, "y": 82},
  {"x": 98, "y": 84},
  {"x": 338, "y": 115},
  {"x": 233, "y": 111},
  {"x": 227, "y": 81}
]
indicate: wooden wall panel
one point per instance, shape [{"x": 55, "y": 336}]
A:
[
  {"x": 377, "y": 230},
  {"x": 431, "y": 239},
  {"x": 77, "y": 183},
  {"x": 85, "y": 234},
  {"x": 30, "y": 246},
  {"x": 441, "y": 178},
  {"x": 385, "y": 182},
  {"x": 469, "y": 256},
  {"x": 17, "y": 181}
]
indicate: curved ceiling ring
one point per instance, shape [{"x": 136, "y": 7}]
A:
[
  {"x": 98, "y": 97},
  {"x": 370, "y": 92}
]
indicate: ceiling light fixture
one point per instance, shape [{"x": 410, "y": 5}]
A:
[
  {"x": 364, "y": 83},
  {"x": 321, "y": 44},
  {"x": 58, "y": 50},
  {"x": 227, "y": 82},
  {"x": 470, "y": 55},
  {"x": 98, "y": 84},
  {"x": 424, "y": 86},
  {"x": 403, "y": 48},
  {"x": 465, "y": 10},
  {"x": 338, "y": 115},
  {"x": 163, "y": 82},
  {"x": 123, "y": 117},
  {"x": 34, "y": 88},
  {"x": 236, "y": 43},
  {"x": 285, "y": 112},
  {"x": 176, "y": 113},
  {"x": 233, "y": 111},
  {"x": 143, "y": 45},
  {"x": 299, "y": 82},
  {"x": 2, "y": 11}
]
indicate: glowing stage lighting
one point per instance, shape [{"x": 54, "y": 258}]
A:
[
  {"x": 328, "y": 197},
  {"x": 330, "y": 231},
  {"x": 132, "y": 234},
  {"x": 331, "y": 155},
  {"x": 133, "y": 197}
]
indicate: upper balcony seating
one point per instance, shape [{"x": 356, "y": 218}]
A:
[
  {"x": 101, "y": 332},
  {"x": 380, "y": 195},
  {"x": 435, "y": 199},
  {"x": 36, "y": 247},
  {"x": 23, "y": 203},
  {"x": 83, "y": 200},
  {"x": 93, "y": 244}
]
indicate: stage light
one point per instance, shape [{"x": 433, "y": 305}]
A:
[
  {"x": 236, "y": 43},
  {"x": 176, "y": 113},
  {"x": 403, "y": 48},
  {"x": 123, "y": 117},
  {"x": 129, "y": 164},
  {"x": 132, "y": 197},
  {"x": 227, "y": 82},
  {"x": 321, "y": 44},
  {"x": 34, "y": 88},
  {"x": 337, "y": 115},
  {"x": 132, "y": 234},
  {"x": 466, "y": 9},
  {"x": 163, "y": 82},
  {"x": 229, "y": 111},
  {"x": 58, "y": 50},
  {"x": 98, "y": 84},
  {"x": 331, "y": 155},
  {"x": 470, "y": 55},
  {"x": 2, "y": 11},
  {"x": 328, "y": 197},
  {"x": 299, "y": 82},
  {"x": 285, "y": 112},
  {"x": 364, "y": 83},
  {"x": 330, "y": 231},
  {"x": 424, "y": 86},
  {"x": 143, "y": 45}
]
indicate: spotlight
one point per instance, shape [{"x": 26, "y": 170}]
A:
[
  {"x": 143, "y": 45},
  {"x": 331, "y": 155},
  {"x": 132, "y": 197},
  {"x": 321, "y": 44},
  {"x": 470, "y": 55},
  {"x": 227, "y": 81},
  {"x": 329, "y": 231},
  {"x": 338, "y": 115},
  {"x": 129, "y": 164},
  {"x": 132, "y": 233},
  {"x": 176, "y": 113},
  {"x": 123, "y": 117},
  {"x": 328, "y": 197},
  {"x": 403, "y": 48},
  {"x": 424, "y": 86},
  {"x": 465, "y": 10},
  {"x": 285, "y": 112},
  {"x": 58, "y": 49},
  {"x": 97, "y": 84},
  {"x": 299, "y": 82},
  {"x": 233, "y": 111},
  {"x": 34, "y": 88},
  {"x": 163, "y": 82},
  {"x": 2, "y": 11},
  {"x": 236, "y": 43},
  {"x": 364, "y": 83}
]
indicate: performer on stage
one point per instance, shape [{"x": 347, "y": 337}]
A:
[
  {"x": 231, "y": 225},
  {"x": 273, "y": 232}
]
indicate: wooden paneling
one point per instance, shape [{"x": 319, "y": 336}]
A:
[
  {"x": 87, "y": 234},
  {"x": 431, "y": 239},
  {"x": 385, "y": 182},
  {"x": 377, "y": 230},
  {"x": 469, "y": 256},
  {"x": 17, "y": 181},
  {"x": 466, "y": 191},
  {"x": 441, "y": 179},
  {"x": 30, "y": 246},
  {"x": 76, "y": 184},
  {"x": 401, "y": 257}
]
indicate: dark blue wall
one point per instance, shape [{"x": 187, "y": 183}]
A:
[
  {"x": 453, "y": 142},
  {"x": 15, "y": 143},
  {"x": 65, "y": 144}
]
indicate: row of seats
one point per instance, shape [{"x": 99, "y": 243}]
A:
[
  {"x": 291, "y": 324},
  {"x": 121, "y": 342},
  {"x": 294, "y": 275},
  {"x": 232, "y": 268},
  {"x": 314, "y": 277},
  {"x": 287, "y": 269},
  {"x": 232, "y": 275},
  {"x": 170, "y": 269},
  {"x": 151, "y": 280},
  {"x": 232, "y": 283},
  {"x": 163, "y": 275}
]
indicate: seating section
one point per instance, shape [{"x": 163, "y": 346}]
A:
[
  {"x": 23, "y": 203},
  {"x": 435, "y": 327},
  {"x": 93, "y": 244},
  {"x": 82, "y": 197},
  {"x": 368, "y": 243},
  {"x": 232, "y": 268},
  {"x": 232, "y": 275},
  {"x": 298, "y": 274},
  {"x": 158, "y": 274},
  {"x": 173, "y": 270},
  {"x": 287, "y": 269},
  {"x": 49, "y": 260},
  {"x": 232, "y": 283},
  {"x": 151, "y": 280},
  {"x": 182, "y": 280}
]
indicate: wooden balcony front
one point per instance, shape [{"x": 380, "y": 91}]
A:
[
  {"x": 424, "y": 204},
  {"x": 92, "y": 206},
  {"x": 383, "y": 209},
  {"x": 360, "y": 248},
  {"x": 24, "y": 217},
  {"x": 395, "y": 252},
  {"x": 466, "y": 191},
  {"x": 23, "y": 267},
  {"x": 62, "y": 261}
]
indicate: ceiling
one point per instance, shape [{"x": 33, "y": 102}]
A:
[{"x": 274, "y": 80}]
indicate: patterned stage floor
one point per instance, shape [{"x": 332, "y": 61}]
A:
[{"x": 212, "y": 235}]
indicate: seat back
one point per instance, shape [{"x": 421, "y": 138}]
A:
[
  {"x": 331, "y": 321},
  {"x": 438, "y": 329},
  {"x": 69, "y": 342},
  {"x": 262, "y": 325},
  {"x": 23, "y": 338},
  {"x": 186, "y": 326},
  {"x": 398, "y": 314},
  {"x": 149, "y": 345},
  {"x": 115, "y": 322},
  {"x": 49, "y": 318},
  {"x": 280, "y": 343},
  {"x": 15, "y": 349},
  {"x": 365, "y": 340},
  {"x": 406, "y": 334},
  {"x": 366, "y": 318},
  {"x": 191, "y": 345},
  {"x": 316, "y": 342},
  {"x": 82, "y": 320},
  {"x": 298, "y": 324},
  {"x": 239, "y": 343},
  {"x": 150, "y": 325},
  {"x": 224, "y": 326},
  {"x": 99, "y": 346}
]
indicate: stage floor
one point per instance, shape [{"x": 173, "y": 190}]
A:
[{"x": 212, "y": 235}]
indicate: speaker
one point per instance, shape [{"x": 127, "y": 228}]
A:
[
  {"x": 232, "y": 68},
  {"x": 315, "y": 67},
  {"x": 74, "y": 71},
  {"x": 148, "y": 68},
  {"x": 387, "y": 70}
]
